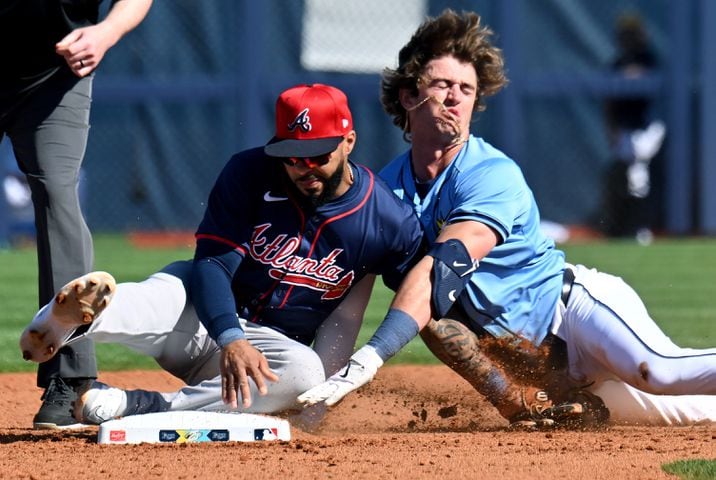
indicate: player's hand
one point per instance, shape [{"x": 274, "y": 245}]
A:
[
  {"x": 361, "y": 369},
  {"x": 239, "y": 362},
  {"x": 85, "y": 47}
]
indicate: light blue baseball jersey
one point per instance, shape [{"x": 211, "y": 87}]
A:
[{"x": 517, "y": 285}]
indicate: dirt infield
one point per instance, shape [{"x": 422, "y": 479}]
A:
[{"x": 411, "y": 422}]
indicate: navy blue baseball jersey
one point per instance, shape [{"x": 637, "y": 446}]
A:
[{"x": 300, "y": 261}]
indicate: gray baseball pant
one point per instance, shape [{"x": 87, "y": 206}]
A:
[
  {"x": 155, "y": 318},
  {"x": 48, "y": 131}
]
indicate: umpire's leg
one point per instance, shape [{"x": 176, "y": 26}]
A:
[{"x": 49, "y": 136}]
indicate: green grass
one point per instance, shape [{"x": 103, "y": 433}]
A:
[
  {"x": 692, "y": 469},
  {"x": 676, "y": 278},
  {"x": 18, "y": 296}
]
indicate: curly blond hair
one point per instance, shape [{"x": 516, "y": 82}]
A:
[{"x": 459, "y": 35}]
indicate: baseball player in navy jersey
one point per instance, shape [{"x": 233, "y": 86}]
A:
[
  {"x": 287, "y": 253},
  {"x": 495, "y": 282}
]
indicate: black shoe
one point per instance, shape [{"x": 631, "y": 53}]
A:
[{"x": 57, "y": 402}]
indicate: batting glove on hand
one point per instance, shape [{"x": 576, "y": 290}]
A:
[{"x": 361, "y": 369}]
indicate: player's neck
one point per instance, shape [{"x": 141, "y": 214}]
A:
[
  {"x": 346, "y": 181},
  {"x": 429, "y": 161}
]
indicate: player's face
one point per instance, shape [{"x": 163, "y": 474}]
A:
[
  {"x": 447, "y": 93},
  {"x": 322, "y": 178}
]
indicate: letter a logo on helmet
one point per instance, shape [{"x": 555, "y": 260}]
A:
[{"x": 302, "y": 120}]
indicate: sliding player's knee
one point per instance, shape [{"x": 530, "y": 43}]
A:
[
  {"x": 303, "y": 370},
  {"x": 658, "y": 377}
]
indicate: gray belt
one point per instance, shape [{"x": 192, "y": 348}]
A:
[{"x": 567, "y": 282}]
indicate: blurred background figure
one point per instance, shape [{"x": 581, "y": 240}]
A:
[
  {"x": 635, "y": 140},
  {"x": 17, "y": 219},
  {"x": 17, "y": 216}
]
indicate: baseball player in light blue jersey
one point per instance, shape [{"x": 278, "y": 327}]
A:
[
  {"x": 482, "y": 185},
  {"x": 493, "y": 286}
]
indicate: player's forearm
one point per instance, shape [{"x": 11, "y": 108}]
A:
[
  {"x": 413, "y": 296},
  {"x": 336, "y": 336},
  {"x": 396, "y": 330},
  {"x": 408, "y": 314},
  {"x": 213, "y": 298},
  {"x": 124, "y": 16}
]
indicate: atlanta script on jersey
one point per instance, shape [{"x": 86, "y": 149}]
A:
[{"x": 300, "y": 261}]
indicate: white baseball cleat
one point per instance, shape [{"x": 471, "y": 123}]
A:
[
  {"x": 77, "y": 303},
  {"x": 99, "y": 403}
]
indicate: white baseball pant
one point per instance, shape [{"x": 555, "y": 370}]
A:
[{"x": 642, "y": 376}]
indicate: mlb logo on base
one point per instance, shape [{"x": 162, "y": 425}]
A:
[{"x": 266, "y": 434}]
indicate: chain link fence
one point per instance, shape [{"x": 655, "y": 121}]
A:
[{"x": 197, "y": 81}]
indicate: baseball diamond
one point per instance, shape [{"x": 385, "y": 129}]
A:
[{"x": 402, "y": 425}]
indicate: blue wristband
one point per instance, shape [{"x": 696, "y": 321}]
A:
[
  {"x": 230, "y": 335},
  {"x": 396, "y": 330}
]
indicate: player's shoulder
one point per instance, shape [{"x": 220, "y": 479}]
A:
[
  {"x": 245, "y": 172},
  {"x": 250, "y": 159},
  {"x": 393, "y": 169},
  {"x": 388, "y": 204},
  {"x": 484, "y": 159},
  {"x": 479, "y": 151},
  {"x": 251, "y": 166},
  {"x": 373, "y": 181}
]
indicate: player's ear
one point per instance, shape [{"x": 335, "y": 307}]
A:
[
  {"x": 407, "y": 99},
  {"x": 349, "y": 142}
]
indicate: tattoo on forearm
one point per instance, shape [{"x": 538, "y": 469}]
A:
[{"x": 458, "y": 347}]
